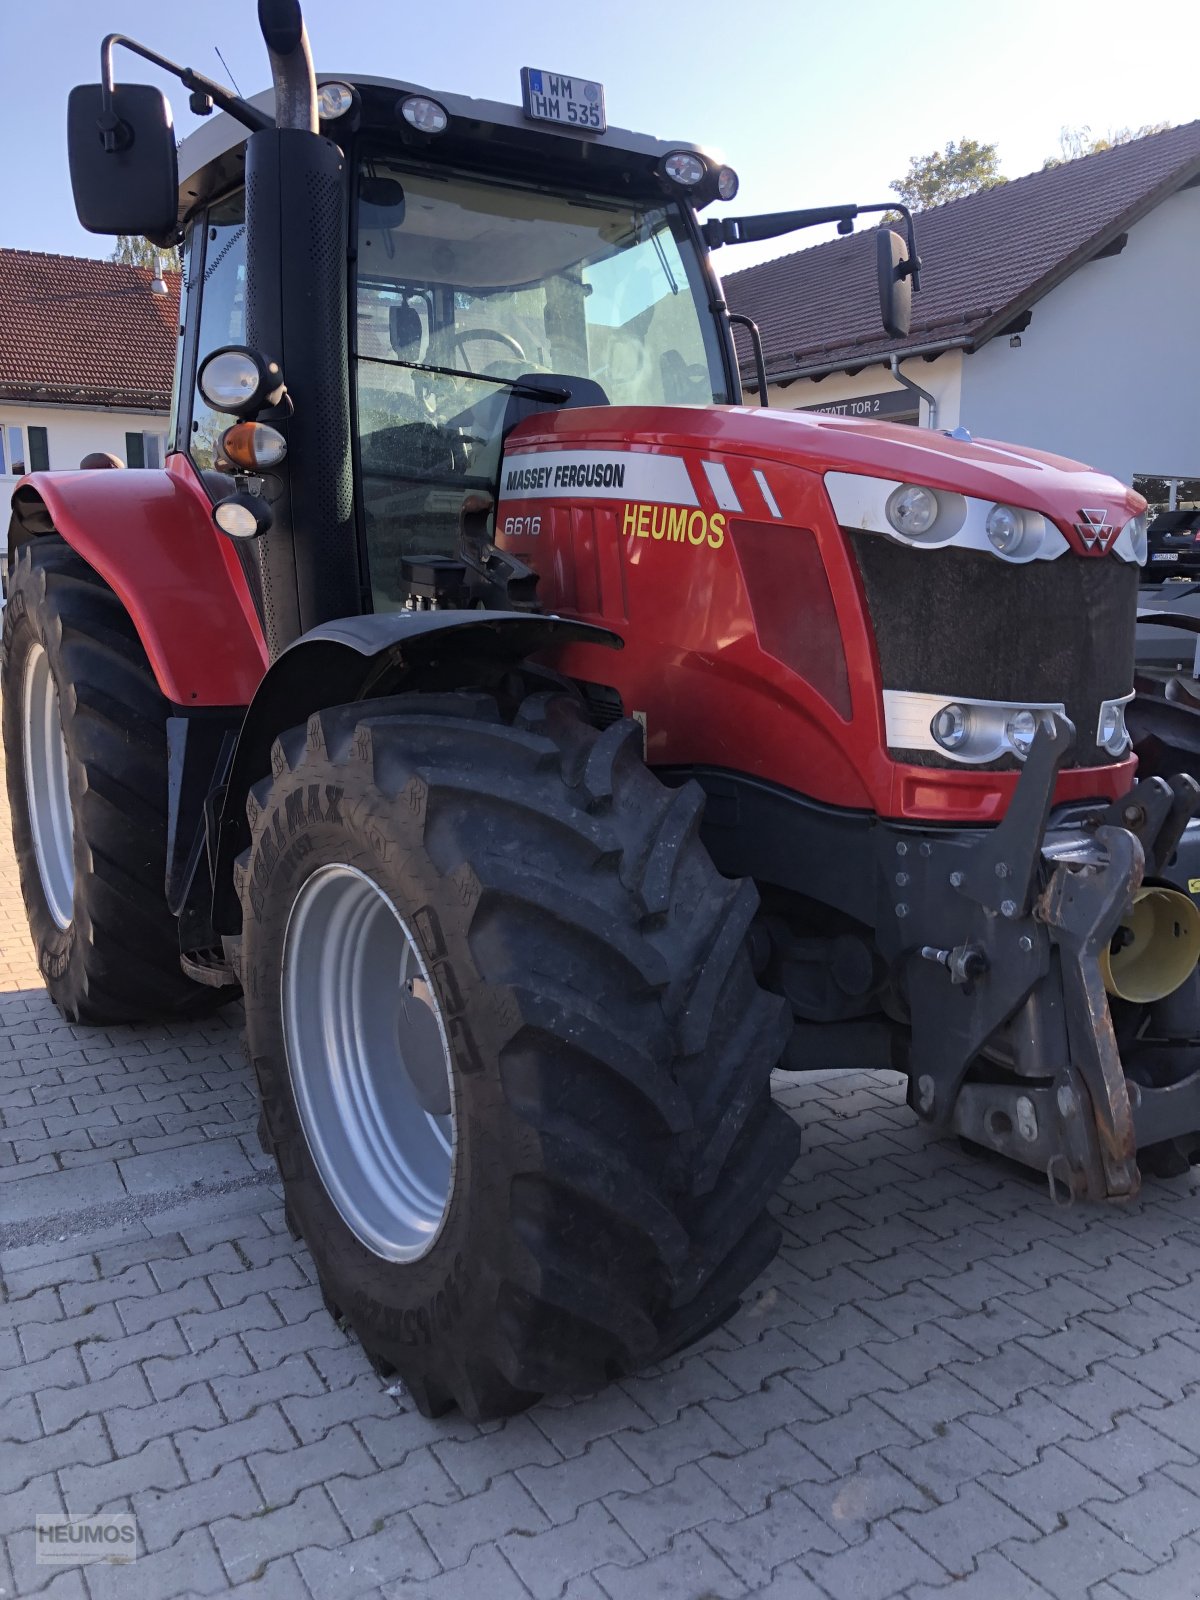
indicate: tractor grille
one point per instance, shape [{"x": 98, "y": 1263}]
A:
[{"x": 960, "y": 622}]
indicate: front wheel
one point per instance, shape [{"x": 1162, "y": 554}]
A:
[
  {"x": 513, "y": 1059},
  {"x": 85, "y": 750}
]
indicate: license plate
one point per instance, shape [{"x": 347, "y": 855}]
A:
[
  {"x": 1165, "y": 555},
  {"x": 569, "y": 102}
]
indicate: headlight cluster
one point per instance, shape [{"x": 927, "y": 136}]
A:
[
  {"x": 1132, "y": 543},
  {"x": 925, "y": 518},
  {"x": 966, "y": 730},
  {"x": 1111, "y": 733}
]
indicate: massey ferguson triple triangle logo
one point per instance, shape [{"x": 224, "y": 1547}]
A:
[{"x": 1094, "y": 529}]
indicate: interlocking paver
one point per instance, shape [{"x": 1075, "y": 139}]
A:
[
  {"x": 545, "y": 1561},
  {"x": 562, "y": 1488},
  {"x": 755, "y": 1546},
  {"x": 367, "y": 1502}
]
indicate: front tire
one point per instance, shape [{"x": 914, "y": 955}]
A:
[
  {"x": 85, "y": 749},
  {"x": 611, "y": 1142}
]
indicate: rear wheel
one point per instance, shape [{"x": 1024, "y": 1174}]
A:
[
  {"x": 86, "y": 758},
  {"x": 514, "y": 1062}
]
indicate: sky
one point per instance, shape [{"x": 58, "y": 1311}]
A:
[{"x": 812, "y": 103}]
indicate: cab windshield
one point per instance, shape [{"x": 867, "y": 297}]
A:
[{"x": 465, "y": 287}]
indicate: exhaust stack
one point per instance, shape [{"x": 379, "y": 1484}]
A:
[{"x": 286, "y": 39}]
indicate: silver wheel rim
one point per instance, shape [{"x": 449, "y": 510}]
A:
[
  {"x": 47, "y": 787},
  {"x": 369, "y": 1062}
]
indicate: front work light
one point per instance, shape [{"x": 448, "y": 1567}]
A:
[
  {"x": 727, "y": 183},
  {"x": 239, "y": 381},
  {"x": 242, "y": 515},
  {"x": 424, "y": 114},
  {"x": 334, "y": 100},
  {"x": 685, "y": 168}
]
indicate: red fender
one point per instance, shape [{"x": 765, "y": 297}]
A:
[{"x": 150, "y": 536}]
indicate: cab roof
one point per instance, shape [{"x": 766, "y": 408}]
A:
[{"x": 482, "y": 134}]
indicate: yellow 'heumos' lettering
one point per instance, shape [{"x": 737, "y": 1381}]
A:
[{"x": 673, "y": 525}]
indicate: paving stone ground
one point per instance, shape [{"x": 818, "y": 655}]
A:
[{"x": 942, "y": 1385}]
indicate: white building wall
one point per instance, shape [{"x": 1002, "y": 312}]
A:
[
  {"x": 942, "y": 377},
  {"x": 72, "y": 432},
  {"x": 1106, "y": 371}
]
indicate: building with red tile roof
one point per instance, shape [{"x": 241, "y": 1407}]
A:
[
  {"x": 1058, "y": 309},
  {"x": 87, "y": 357}
]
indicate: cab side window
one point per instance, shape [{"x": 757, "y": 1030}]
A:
[{"x": 217, "y": 274}]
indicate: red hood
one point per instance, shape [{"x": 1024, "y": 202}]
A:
[{"x": 990, "y": 470}]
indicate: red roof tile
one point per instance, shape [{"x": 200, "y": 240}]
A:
[
  {"x": 986, "y": 259},
  {"x": 85, "y": 331}
]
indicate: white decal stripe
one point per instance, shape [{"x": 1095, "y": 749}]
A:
[
  {"x": 721, "y": 485},
  {"x": 597, "y": 475},
  {"x": 772, "y": 504}
]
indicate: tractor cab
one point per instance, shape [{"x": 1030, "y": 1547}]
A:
[{"x": 495, "y": 266}]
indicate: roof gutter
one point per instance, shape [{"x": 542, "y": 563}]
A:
[
  {"x": 881, "y": 359},
  {"x": 907, "y": 383}
]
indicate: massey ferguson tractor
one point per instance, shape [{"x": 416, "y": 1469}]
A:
[{"x": 548, "y": 746}]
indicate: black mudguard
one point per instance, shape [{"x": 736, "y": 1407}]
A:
[{"x": 363, "y": 658}]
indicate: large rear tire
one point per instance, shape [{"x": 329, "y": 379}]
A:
[
  {"x": 590, "y": 1046},
  {"x": 85, "y": 748}
]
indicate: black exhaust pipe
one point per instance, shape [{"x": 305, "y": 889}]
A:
[{"x": 286, "y": 39}]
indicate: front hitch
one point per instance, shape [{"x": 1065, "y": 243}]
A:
[{"x": 997, "y": 940}]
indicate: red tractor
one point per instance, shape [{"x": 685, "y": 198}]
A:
[{"x": 550, "y": 746}]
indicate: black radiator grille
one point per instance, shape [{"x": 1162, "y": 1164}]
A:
[{"x": 962, "y": 622}]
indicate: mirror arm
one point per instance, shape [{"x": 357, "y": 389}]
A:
[
  {"x": 115, "y": 133},
  {"x": 719, "y": 231}
]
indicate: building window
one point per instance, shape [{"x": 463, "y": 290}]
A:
[
  {"x": 23, "y": 450},
  {"x": 144, "y": 449}
]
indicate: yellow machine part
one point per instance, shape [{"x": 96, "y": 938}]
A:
[{"x": 1164, "y": 946}]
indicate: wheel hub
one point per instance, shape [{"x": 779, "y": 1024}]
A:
[{"x": 369, "y": 1061}]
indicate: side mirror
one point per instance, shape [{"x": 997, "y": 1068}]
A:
[
  {"x": 124, "y": 168},
  {"x": 894, "y": 270}
]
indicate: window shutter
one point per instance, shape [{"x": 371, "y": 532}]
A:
[
  {"x": 39, "y": 450},
  {"x": 135, "y": 450}
]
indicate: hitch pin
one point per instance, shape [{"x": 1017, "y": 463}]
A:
[{"x": 964, "y": 962}]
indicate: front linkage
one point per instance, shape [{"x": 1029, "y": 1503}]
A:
[{"x": 998, "y": 940}]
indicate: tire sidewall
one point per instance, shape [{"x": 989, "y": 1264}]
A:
[
  {"x": 55, "y": 947},
  {"x": 451, "y": 1289}
]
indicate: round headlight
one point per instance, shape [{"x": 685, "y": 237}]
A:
[
  {"x": 951, "y": 726},
  {"x": 424, "y": 114},
  {"x": 727, "y": 183},
  {"x": 681, "y": 166},
  {"x": 239, "y": 381},
  {"x": 229, "y": 380},
  {"x": 1015, "y": 534},
  {"x": 334, "y": 100},
  {"x": 242, "y": 516},
  {"x": 1021, "y": 730},
  {"x": 1112, "y": 734},
  {"x": 912, "y": 509}
]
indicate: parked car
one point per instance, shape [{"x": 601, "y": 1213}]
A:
[{"x": 1174, "y": 546}]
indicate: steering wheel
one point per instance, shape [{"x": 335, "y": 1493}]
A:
[{"x": 460, "y": 336}]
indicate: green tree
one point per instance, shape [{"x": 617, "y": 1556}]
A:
[
  {"x": 960, "y": 169},
  {"x": 135, "y": 251},
  {"x": 1076, "y": 142}
]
